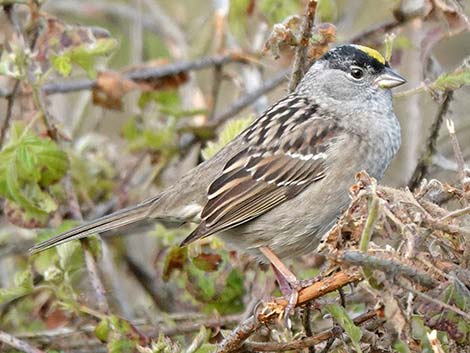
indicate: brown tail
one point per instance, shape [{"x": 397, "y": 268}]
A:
[{"x": 114, "y": 220}]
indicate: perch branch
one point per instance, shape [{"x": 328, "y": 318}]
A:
[{"x": 274, "y": 309}]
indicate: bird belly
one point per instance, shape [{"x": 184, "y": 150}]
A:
[{"x": 298, "y": 228}]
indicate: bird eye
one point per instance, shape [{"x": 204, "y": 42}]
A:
[{"x": 357, "y": 73}]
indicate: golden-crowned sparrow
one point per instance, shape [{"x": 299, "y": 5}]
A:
[{"x": 280, "y": 185}]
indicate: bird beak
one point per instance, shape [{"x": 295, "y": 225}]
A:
[{"x": 389, "y": 79}]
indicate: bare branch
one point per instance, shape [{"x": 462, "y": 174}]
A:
[
  {"x": 387, "y": 265},
  {"x": 274, "y": 309},
  {"x": 426, "y": 157},
  {"x": 457, "y": 152},
  {"x": 18, "y": 344},
  {"x": 435, "y": 301},
  {"x": 300, "y": 344},
  {"x": 10, "y": 102},
  {"x": 90, "y": 261},
  {"x": 251, "y": 97},
  {"x": 149, "y": 73},
  {"x": 298, "y": 69}
]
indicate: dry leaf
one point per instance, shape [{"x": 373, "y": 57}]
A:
[{"x": 110, "y": 88}]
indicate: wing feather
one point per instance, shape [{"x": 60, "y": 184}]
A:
[{"x": 285, "y": 152}]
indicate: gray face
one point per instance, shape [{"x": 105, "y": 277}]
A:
[
  {"x": 355, "y": 83},
  {"x": 347, "y": 73}
]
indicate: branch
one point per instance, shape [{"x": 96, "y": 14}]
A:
[
  {"x": 90, "y": 262},
  {"x": 10, "y": 102},
  {"x": 301, "y": 51},
  {"x": 18, "y": 344},
  {"x": 386, "y": 265},
  {"x": 458, "y": 154},
  {"x": 251, "y": 97},
  {"x": 438, "y": 302},
  {"x": 274, "y": 309},
  {"x": 149, "y": 73},
  {"x": 426, "y": 157},
  {"x": 385, "y": 27},
  {"x": 300, "y": 344}
]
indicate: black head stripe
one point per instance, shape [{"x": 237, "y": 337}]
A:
[{"x": 343, "y": 57}]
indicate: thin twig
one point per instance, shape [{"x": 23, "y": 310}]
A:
[
  {"x": 239, "y": 335},
  {"x": 149, "y": 72},
  {"x": 152, "y": 284},
  {"x": 388, "y": 266},
  {"x": 10, "y": 102},
  {"x": 426, "y": 157},
  {"x": 370, "y": 223},
  {"x": 455, "y": 214},
  {"x": 385, "y": 27},
  {"x": 18, "y": 344},
  {"x": 300, "y": 344},
  {"x": 217, "y": 81},
  {"x": 443, "y": 226},
  {"x": 90, "y": 262},
  {"x": 457, "y": 153},
  {"x": 298, "y": 69},
  {"x": 438, "y": 302},
  {"x": 251, "y": 97}
]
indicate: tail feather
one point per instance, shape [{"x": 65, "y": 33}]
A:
[{"x": 114, "y": 220}]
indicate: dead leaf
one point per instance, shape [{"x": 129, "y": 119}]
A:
[
  {"x": 169, "y": 81},
  {"x": 110, "y": 88},
  {"x": 207, "y": 262},
  {"x": 176, "y": 259},
  {"x": 323, "y": 35}
]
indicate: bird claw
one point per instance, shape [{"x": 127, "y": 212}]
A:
[{"x": 289, "y": 309}]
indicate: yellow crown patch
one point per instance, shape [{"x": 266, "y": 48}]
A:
[{"x": 371, "y": 52}]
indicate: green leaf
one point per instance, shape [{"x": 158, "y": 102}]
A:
[
  {"x": 28, "y": 164},
  {"x": 9, "y": 294},
  {"x": 102, "y": 330},
  {"x": 230, "y": 130},
  {"x": 23, "y": 286},
  {"x": 62, "y": 64},
  {"x": 342, "y": 318},
  {"x": 87, "y": 54},
  {"x": 121, "y": 345},
  {"x": 453, "y": 80},
  {"x": 401, "y": 347}
]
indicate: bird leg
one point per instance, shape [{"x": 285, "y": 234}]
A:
[{"x": 288, "y": 283}]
